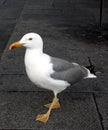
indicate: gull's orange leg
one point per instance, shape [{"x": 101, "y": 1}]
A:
[
  {"x": 56, "y": 104},
  {"x": 44, "y": 117}
]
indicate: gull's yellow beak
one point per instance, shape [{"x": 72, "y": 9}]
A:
[{"x": 15, "y": 45}]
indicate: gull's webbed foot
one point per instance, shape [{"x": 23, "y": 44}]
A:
[
  {"x": 54, "y": 105},
  {"x": 43, "y": 117}
]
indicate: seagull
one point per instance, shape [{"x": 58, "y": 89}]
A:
[{"x": 49, "y": 72}]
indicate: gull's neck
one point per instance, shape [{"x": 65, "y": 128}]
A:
[{"x": 33, "y": 53}]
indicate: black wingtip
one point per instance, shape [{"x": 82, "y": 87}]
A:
[{"x": 91, "y": 67}]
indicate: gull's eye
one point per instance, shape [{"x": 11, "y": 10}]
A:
[{"x": 30, "y": 38}]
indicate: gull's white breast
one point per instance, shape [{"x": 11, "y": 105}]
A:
[{"x": 39, "y": 68}]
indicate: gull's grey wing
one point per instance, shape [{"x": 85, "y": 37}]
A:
[
  {"x": 64, "y": 70},
  {"x": 60, "y": 64}
]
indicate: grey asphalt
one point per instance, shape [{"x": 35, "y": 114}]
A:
[{"x": 70, "y": 30}]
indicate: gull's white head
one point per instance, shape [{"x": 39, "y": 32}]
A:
[{"x": 30, "y": 41}]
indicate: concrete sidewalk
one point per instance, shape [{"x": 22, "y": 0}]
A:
[{"x": 70, "y": 31}]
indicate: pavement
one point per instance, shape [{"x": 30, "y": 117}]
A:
[{"x": 70, "y": 30}]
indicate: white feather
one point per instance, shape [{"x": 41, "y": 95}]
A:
[{"x": 90, "y": 75}]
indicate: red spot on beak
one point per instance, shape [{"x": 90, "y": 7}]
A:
[{"x": 13, "y": 47}]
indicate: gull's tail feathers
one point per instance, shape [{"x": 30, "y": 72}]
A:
[
  {"x": 90, "y": 75},
  {"x": 91, "y": 70}
]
